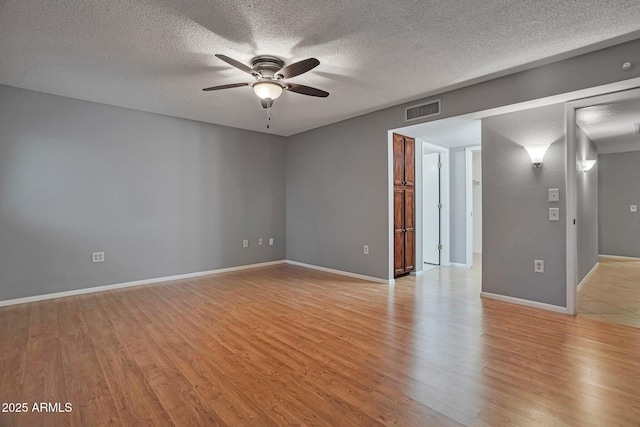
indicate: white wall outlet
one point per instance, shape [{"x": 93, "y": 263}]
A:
[
  {"x": 554, "y": 214},
  {"x": 245, "y": 243},
  {"x": 538, "y": 266},
  {"x": 260, "y": 241},
  {"x": 97, "y": 257},
  {"x": 554, "y": 195},
  {"x": 271, "y": 241},
  {"x": 633, "y": 208},
  {"x": 366, "y": 249}
]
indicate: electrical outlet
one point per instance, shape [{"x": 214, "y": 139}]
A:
[
  {"x": 271, "y": 241},
  {"x": 633, "y": 208},
  {"x": 366, "y": 249},
  {"x": 97, "y": 257},
  {"x": 538, "y": 266},
  {"x": 245, "y": 243},
  {"x": 260, "y": 241},
  {"x": 554, "y": 214}
]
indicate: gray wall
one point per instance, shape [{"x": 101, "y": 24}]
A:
[
  {"x": 336, "y": 196},
  {"x": 160, "y": 195},
  {"x": 458, "y": 213},
  {"x": 337, "y": 187},
  {"x": 618, "y": 178},
  {"x": 515, "y": 208},
  {"x": 587, "y": 206}
]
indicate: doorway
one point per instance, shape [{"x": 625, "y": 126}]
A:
[
  {"x": 608, "y": 194},
  {"x": 473, "y": 202},
  {"x": 440, "y": 222},
  {"x": 603, "y": 251},
  {"x": 431, "y": 206}
]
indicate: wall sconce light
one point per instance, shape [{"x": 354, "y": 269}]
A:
[
  {"x": 585, "y": 165},
  {"x": 536, "y": 152}
]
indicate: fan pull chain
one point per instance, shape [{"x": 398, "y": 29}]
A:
[{"x": 268, "y": 116}]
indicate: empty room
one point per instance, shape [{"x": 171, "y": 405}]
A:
[{"x": 218, "y": 213}]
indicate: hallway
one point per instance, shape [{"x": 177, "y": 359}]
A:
[{"x": 612, "y": 293}]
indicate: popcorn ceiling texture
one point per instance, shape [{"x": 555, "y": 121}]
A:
[
  {"x": 611, "y": 125},
  {"x": 157, "y": 55}
]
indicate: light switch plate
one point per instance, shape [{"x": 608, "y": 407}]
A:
[
  {"x": 554, "y": 195},
  {"x": 633, "y": 208},
  {"x": 97, "y": 257},
  {"x": 554, "y": 214}
]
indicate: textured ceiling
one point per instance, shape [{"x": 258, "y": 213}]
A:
[
  {"x": 157, "y": 55},
  {"x": 611, "y": 126},
  {"x": 450, "y": 133}
]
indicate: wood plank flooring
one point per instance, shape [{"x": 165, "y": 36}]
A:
[
  {"x": 612, "y": 293},
  {"x": 286, "y": 345}
]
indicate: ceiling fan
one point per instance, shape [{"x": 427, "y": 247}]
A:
[{"x": 270, "y": 74}]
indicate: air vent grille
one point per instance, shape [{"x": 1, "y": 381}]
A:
[
  {"x": 637, "y": 127},
  {"x": 422, "y": 111}
]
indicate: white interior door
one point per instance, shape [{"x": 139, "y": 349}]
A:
[{"x": 430, "y": 208}]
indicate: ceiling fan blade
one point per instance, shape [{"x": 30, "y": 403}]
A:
[
  {"x": 207, "y": 89},
  {"x": 306, "y": 90},
  {"x": 298, "y": 68},
  {"x": 239, "y": 65}
]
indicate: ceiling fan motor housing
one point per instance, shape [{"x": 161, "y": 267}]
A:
[{"x": 267, "y": 66}]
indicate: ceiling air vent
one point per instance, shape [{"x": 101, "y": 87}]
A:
[
  {"x": 637, "y": 126},
  {"x": 422, "y": 111}
]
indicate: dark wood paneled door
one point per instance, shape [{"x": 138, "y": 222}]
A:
[
  {"x": 409, "y": 230},
  {"x": 403, "y": 204},
  {"x": 399, "y": 233}
]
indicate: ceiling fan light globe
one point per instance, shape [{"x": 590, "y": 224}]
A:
[{"x": 267, "y": 89}]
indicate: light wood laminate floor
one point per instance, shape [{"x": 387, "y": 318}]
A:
[
  {"x": 286, "y": 345},
  {"x": 612, "y": 293}
]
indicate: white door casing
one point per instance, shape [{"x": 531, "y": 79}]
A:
[{"x": 430, "y": 208}]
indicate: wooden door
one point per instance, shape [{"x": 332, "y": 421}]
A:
[
  {"x": 399, "y": 233},
  {"x": 403, "y": 204},
  {"x": 409, "y": 162},
  {"x": 409, "y": 230},
  {"x": 398, "y": 159}
]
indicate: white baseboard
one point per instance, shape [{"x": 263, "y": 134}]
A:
[
  {"x": 417, "y": 273},
  {"x": 134, "y": 283},
  {"x": 342, "y": 273},
  {"x": 525, "y": 302},
  {"x": 458, "y": 264},
  {"x": 583, "y": 281},
  {"x": 628, "y": 258}
]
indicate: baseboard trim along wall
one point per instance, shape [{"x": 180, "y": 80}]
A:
[
  {"x": 583, "y": 281},
  {"x": 458, "y": 264},
  {"x": 533, "y": 304},
  {"x": 629, "y": 258},
  {"x": 135, "y": 283},
  {"x": 342, "y": 273}
]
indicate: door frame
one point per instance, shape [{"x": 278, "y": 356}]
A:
[
  {"x": 468, "y": 164},
  {"x": 571, "y": 186},
  {"x": 445, "y": 199}
]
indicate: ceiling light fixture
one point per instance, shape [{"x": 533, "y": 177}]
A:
[
  {"x": 536, "y": 152},
  {"x": 265, "y": 89}
]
